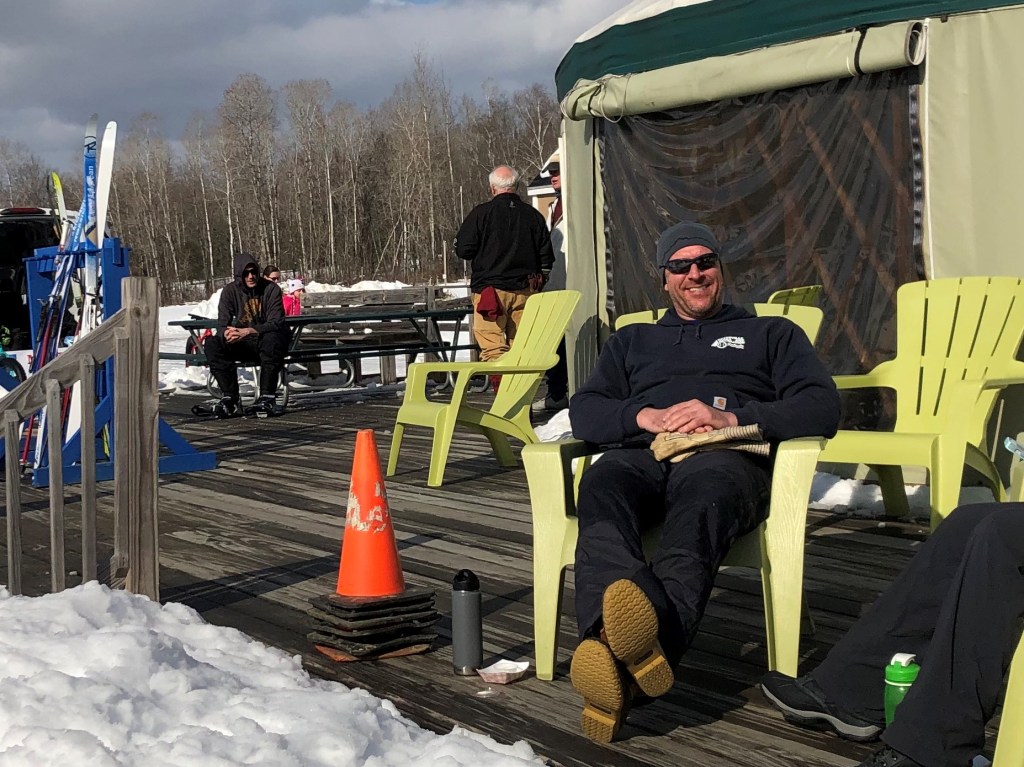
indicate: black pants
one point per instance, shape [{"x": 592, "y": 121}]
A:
[
  {"x": 558, "y": 377},
  {"x": 266, "y": 350},
  {"x": 958, "y": 607},
  {"x": 704, "y": 503}
]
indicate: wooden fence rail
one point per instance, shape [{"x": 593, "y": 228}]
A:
[{"x": 131, "y": 337}]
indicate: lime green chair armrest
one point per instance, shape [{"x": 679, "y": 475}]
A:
[
  {"x": 417, "y": 372},
  {"x": 863, "y": 381},
  {"x": 965, "y": 393},
  {"x": 549, "y": 472}
]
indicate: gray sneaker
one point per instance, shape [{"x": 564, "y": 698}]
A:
[{"x": 803, "y": 703}]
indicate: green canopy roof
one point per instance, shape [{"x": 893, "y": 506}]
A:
[{"x": 721, "y": 27}]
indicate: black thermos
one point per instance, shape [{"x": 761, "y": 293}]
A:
[{"x": 467, "y": 631}]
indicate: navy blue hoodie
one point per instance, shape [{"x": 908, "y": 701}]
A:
[{"x": 763, "y": 369}]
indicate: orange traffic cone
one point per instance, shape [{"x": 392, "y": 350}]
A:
[{"x": 369, "y": 555}]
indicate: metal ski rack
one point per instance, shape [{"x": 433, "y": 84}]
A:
[{"x": 177, "y": 454}]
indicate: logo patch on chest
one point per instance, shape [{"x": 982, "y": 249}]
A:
[{"x": 730, "y": 342}]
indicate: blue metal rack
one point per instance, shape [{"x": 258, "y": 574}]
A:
[{"x": 177, "y": 454}]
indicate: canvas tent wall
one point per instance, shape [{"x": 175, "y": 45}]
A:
[{"x": 858, "y": 144}]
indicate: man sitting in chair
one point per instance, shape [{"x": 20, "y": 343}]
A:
[
  {"x": 703, "y": 367},
  {"x": 250, "y": 329}
]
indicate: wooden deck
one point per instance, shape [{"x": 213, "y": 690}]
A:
[{"x": 249, "y": 543}]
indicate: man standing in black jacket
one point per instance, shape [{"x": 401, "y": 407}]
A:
[
  {"x": 250, "y": 329},
  {"x": 703, "y": 367},
  {"x": 508, "y": 244}
]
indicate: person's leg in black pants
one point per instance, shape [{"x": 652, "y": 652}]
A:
[
  {"x": 558, "y": 376},
  {"x": 957, "y": 606},
  {"x": 223, "y": 359},
  {"x": 712, "y": 499},
  {"x": 942, "y": 720},
  {"x": 271, "y": 349},
  {"x": 902, "y": 619},
  {"x": 704, "y": 502}
]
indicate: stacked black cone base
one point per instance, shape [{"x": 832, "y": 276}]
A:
[{"x": 371, "y": 628}]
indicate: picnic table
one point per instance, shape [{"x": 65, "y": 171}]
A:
[{"x": 353, "y": 333}]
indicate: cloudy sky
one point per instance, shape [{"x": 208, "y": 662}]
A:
[{"x": 61, "y": 60}]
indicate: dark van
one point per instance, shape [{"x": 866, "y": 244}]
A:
[{"x": 22, "y": 230}]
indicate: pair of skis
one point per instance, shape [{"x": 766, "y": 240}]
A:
[{"x": 81, "y": 242}]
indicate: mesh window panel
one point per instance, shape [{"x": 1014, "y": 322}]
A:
[{"x": 810, "y": 185}]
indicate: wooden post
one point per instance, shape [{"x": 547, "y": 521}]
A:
[
  {"x": 87, "y": 439},
  {"x": 136, "y": 417},
  {"x": 388, "y": 369},
  {"x": 55, "y": 450},
  {"x": 13, "y": 477},
  {"x": 121, "y": 447}
]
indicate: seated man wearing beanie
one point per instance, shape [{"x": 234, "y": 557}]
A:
[
  {"x": 703, "y": 367},
  {"x": 250, "y": 329},
  {"x": 957, "y": 606}
]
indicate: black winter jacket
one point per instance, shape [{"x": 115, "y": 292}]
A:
[
  {"x": 507, "y": 240},
  {"x": 261, "y": 308},
  {"x": 763, "y": 369}
]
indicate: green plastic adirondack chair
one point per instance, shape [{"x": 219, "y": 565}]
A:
[
  {"x": 806, "y": 295},
  {"x": 776, "y": 548},
  {"x": 956, "y": 347},
  {"x": 521, "y": 368}
]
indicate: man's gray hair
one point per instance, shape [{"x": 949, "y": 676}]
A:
[{"x": 503, "y": 180}]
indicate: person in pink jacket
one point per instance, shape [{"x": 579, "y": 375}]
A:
[{"x": 293, "y": 292}]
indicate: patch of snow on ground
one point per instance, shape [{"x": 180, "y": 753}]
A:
[{"x": 106, "y": 678}]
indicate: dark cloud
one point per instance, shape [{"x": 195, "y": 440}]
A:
[{"x": 60, "y": 60}]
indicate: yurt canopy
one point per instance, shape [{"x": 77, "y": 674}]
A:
[
  {"x": 653, "y": 34},
  {"x": 854, "y": 144}
]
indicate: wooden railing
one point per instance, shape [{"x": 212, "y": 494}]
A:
[{"x": 130, "y": 337}]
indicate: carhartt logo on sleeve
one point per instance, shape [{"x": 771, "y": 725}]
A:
[
  {"x": 731, "y": 342},
  {"x": 718, "y": 403}
]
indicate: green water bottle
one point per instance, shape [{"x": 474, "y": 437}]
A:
[{"x": 899, "y": 675}]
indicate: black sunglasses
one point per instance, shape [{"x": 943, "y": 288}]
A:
[
  {"x": 253, "y": 272},
  {"x": 682, "y": 265}
]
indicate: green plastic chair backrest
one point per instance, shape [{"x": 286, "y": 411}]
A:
[
  {"x": 540, "y": 330},
  {"x": 807, "y": 318},
  {"x": 948, "y": 330},
  {"x": 806, "y": 295}
]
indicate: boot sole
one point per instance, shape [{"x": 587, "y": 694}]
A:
[
  {"x": 597, "y": 678},
  {"x": 631, "y": 630},
  {"x": 819, "y": 720}
]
